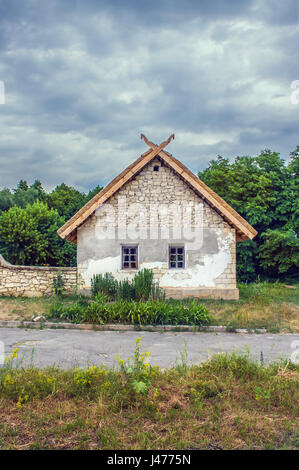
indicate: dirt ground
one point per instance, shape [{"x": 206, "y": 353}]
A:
[{"x": 23, "y": 308}]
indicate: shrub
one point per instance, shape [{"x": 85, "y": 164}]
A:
[
  {"x": 105, "y": 284},
  {"x": 125, "y": 290},
  {"x": 72, "y": 312},
  {"x": 58, "y": 284},
  {"x": 142, "y": 287},
  {"x": 99, "y": 311},
  {"x": 143, "y": 283}
]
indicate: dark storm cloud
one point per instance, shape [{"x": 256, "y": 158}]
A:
[{"x": 84, "y": 78}]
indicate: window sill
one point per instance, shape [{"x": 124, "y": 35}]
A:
[{"x": 128, "y": 270}]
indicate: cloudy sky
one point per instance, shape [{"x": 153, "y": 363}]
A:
[{"x": 83, "y": 78}]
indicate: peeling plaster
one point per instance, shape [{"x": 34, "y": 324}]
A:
[{"x": 201, "y": 274}]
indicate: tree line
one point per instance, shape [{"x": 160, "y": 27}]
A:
[
  {"x": 30, "y": 218},
  {"x": 263, "y": 189}
]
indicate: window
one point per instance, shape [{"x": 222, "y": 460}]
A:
[
  {"x": 156, "y": 168},
  {"x": 129, "y": 257},
  {"x": 176, "y": 257}
]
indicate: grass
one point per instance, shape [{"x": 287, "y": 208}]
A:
[
  {"x": 24, "y": 308},
  {"x": 227, "y": 402},
  {"x": 261, "y": 305}
]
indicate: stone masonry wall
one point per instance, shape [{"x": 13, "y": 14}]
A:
[
  {"x": 211, "y": 265},
  {"x": 33, "y": 281}
]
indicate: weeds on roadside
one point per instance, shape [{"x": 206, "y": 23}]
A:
[
  {"x": 262, "y": 305},
  {"x": 182, "y": 363},
  {"x": 138, "y": 372},
  {"x": 238, "y": 403}
]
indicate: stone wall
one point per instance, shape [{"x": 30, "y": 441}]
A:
[{"x": 33, "y": 281}]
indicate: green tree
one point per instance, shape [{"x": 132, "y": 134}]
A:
[
  {"x": 93, "y": 192},
  {"x": 265, "y": 192},
  {"x": 24, "y": 195},
  {"x": 37, "y": 186},
  {"x": 28, "y": 236},
  {"x": 6, "y": 199},
  {"x": 66, "y": 200},
  {"x": 22, "y": 185},
  {"x": 294, "y": 163},
  {"x": 280, "y": 252}
]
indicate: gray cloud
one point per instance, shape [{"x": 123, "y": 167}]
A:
[{"x": 84, "y": 79}]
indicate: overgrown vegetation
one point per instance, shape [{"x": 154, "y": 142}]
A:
[
  {"x": 228, "y": 402},
  {"x": 29, "y": 219},
  {"x": 141, "y": 288},
  {"x": 273, "y": 306},
  {"x": 150, "y": 312},
  {"x": 28, "y": 236},
  {"x": 58, "y": 284},
  {"x": 261, "y": 305},
  {"x": 139, "y": 302},
  {"x": 264, "y": 190}
]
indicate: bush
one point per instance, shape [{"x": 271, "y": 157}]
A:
[
  {"x": 125, "y": 290},
  {"x": 29, "y": 237},
  {"x": 105, "y": 284},
  {"x": 58, "y": 284},
  {"x": 143, "y": 283},
  {"x": 142, "y": 287},
  {"x": 74, "y": 310}
]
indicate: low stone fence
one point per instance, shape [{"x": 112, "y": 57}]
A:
[{"x": 33, "y": 281}]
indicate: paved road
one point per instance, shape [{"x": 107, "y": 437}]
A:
[{"x": 68, "y": 348}]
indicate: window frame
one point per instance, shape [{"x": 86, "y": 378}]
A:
[
  {"x": 123, "y": 254},
  {"x": 176, "y": 247}
]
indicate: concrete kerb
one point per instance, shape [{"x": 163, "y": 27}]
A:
[{"x": 115, "y": 327}]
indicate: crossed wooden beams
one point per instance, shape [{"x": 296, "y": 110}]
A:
[{"x": 157, "y": 148}]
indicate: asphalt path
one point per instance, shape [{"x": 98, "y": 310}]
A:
[{"x": 69, "y": 348}]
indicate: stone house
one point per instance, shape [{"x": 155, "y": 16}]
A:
[{"x": 157, "y": 214}]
